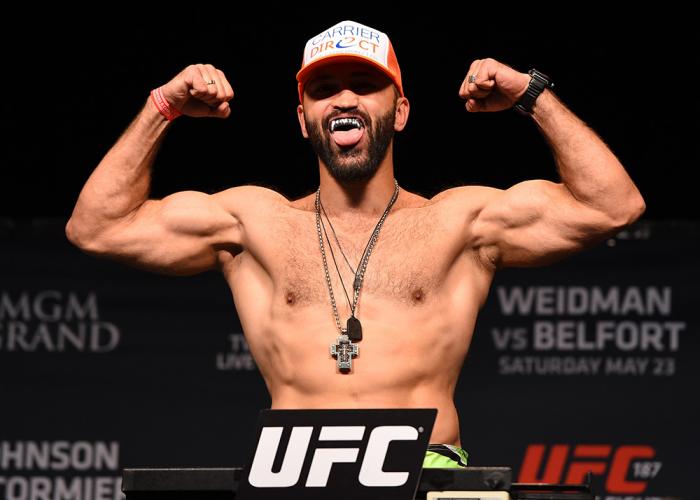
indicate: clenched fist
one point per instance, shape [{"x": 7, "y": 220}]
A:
[
  {"x": 492, "y": 86},
  {"x": 199, "y": 90}
]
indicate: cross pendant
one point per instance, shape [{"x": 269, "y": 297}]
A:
[{"x": 344, "y": 350}]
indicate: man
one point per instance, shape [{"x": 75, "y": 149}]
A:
[{"x": 307, "y": 293}]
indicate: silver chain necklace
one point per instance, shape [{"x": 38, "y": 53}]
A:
[
  {"x": 337, "y": 242},
  {"x": 344, "y": 350}
]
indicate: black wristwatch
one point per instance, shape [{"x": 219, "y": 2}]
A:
[{"x": 538, "y": 83}]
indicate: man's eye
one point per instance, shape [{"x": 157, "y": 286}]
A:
[
  {"x": 323, "y": 89},
  {"x": 364, "y": 86}
]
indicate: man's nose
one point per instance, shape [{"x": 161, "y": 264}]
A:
[{"x": 346, "y": 99}]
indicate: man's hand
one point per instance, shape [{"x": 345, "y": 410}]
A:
[
  {"x": 199, "y": 90},
  {"x": 494, "y": 87}
]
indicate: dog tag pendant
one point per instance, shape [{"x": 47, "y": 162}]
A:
[{"x": 354, "y": 329}]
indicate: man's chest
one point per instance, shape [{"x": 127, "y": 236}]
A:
[{"x": 409, "y": 261}]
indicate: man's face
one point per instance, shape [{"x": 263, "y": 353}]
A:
[{"x": 349, "y": 116}]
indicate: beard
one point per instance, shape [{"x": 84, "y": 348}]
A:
[{"x": 353, "y": 164}]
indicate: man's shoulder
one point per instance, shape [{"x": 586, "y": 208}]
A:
[
  {"x": 472, "y": 196},
  {"x": 250, "y": 196}
]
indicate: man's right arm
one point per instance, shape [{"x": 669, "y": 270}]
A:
[{"x": 181, "y": 233}]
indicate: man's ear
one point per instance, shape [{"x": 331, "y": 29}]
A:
[
  {"x": 401, "y": 116},
  {"x": 302, "y": 122}
]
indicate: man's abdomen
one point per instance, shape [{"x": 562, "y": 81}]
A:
[{"x": 445, "y": 430}]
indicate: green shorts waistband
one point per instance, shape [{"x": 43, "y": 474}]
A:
[{"x": 444, "y": 456}]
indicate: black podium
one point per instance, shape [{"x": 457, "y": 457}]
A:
[
  {"x": 222, "y": 484},
  {"x": 383, "y": 448}
]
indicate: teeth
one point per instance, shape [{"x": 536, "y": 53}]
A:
[{"x": 345, "y": 123}]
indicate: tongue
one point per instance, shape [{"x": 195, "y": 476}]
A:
[{"x": 345, "y": 138}]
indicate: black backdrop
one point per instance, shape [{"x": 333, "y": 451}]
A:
[
  {"x": 630, "y": 76},
  {"x": 177, "y": 387}
]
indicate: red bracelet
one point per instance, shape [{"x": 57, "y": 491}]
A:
[{"x": 163, "y": 106}]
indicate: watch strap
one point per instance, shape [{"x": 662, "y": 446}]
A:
[{"x": 538, "y": 82}]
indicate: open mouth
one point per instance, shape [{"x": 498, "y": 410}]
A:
[{"x": 346, "y": 131}]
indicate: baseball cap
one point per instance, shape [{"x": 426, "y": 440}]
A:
[{"x": 350, "y": 41}]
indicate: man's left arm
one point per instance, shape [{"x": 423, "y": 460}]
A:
[{"x": 538, "y": 221}]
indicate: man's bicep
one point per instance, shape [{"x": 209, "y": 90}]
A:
[
  {"x": 179, "y": 234},
  {"x": 536, "y": 222}
]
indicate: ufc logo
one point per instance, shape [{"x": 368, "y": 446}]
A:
[
  {"x": 371, "y": 473},
  {"x": 594, "y": 458}
]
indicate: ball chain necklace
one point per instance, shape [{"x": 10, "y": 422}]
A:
[
  {"x": 335, "y": 263},
  {"x": 356, "y": 334},
  {"x": 337, "y": 242},
  {"x": 344, "y": 350}
]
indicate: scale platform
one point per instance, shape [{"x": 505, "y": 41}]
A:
[{"x": 469, "y": 483}]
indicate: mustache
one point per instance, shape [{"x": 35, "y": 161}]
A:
[{"x": 356, "y": 113}]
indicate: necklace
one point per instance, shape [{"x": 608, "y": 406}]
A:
[
  {"x": 344, "y": 350},
  {"x": 335, "y": 237},
  {"x": 356, "y": 330}
]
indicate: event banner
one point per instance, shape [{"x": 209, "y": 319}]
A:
[{"x": 584, "y": 365}]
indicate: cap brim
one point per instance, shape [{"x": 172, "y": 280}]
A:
[{"x": 303, "y": 73}]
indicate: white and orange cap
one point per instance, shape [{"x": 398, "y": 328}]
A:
[{"x": 350, "y": 41}]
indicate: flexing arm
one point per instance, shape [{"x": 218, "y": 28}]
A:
[
  {"x": 179, "y": 234},
  {"x": 539, "y": 221}
]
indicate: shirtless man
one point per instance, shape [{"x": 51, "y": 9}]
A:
[{"x": 431, "y": 265}]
